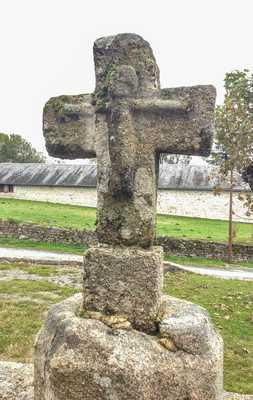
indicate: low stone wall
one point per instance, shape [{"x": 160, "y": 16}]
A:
[
  {"x": 202, "y": 248},
  {"x": 180, "y": 247},
  {"x": 40, "y": 233}
]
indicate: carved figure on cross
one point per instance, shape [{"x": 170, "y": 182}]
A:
[{"x": 126, "y": 124}]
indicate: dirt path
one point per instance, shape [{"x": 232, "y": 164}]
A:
[
  {"x": 244, "y": 274},
  {"x": 47, "y": 257}
]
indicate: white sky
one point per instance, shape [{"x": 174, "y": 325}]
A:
[{"x": 46, "y": 47}]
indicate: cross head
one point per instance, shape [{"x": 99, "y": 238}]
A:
[{"x": 126, "y": 124}]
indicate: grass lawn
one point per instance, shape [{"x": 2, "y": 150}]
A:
[
  {"x": 29, "y": 244},
  {"x": 68, "y": 216},
  {"x": 207, "y": 262},
  {"x": 49, "y": 214},
  {"x": 20, "y": 320},
  {"x": 230, "y": 306}
]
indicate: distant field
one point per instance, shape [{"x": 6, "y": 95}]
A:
[{"x": 68, "y": 216}]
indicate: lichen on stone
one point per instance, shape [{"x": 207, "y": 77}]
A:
[{"x": 101, "y": 97}]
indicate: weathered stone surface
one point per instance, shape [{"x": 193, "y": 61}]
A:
[
  {"x": 127, "y": 123},
  {"x": 76, "y": 115},
  {"x": 16, "y": 381},
  {"x": 187, "y": 326},
  {"x": 126, "y": 282},
  {"x": 126, "y": 50},
  {"x": 81, "y": 358}
]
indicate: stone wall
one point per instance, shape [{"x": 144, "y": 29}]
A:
[
  {"x": 188, "y": 203},
  {"x": 38, "y": 233},
  {"x": 64, "y": 195},
  {"x": 202, "y": 248},
  {"x": 180, "y": 247}
]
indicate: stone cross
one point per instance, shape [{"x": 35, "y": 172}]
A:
[
  {"x": 127, "y": 123},
  {"x": 123, "y": 339}
]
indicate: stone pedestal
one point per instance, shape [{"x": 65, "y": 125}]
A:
[
  {"x": 77, "y": 357},
  {"x": 126, "y": 282}
]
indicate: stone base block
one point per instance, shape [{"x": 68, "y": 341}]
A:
[
  {"x": 126, "y": 282},
  {"x": 82, "y": 358}
]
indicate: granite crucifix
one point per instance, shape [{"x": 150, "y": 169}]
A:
[
  {"x": 127, "y": 123},
  {"x": 121, "y": 338}
]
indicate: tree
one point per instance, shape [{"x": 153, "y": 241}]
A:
[
  {"x": 234, "y": 133},
  {"x": 14, "y": 148},
  {"x": 217, "y": 155}
]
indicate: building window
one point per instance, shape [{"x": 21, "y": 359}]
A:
[{"x": 6, "y": 188}]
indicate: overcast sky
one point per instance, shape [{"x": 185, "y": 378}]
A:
[{"x": 46, "y": 48}]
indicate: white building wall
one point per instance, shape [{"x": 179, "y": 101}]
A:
[
  {"x": 66, "y": 195},
  {"x": 175, "y": 202},
  {"x": 202, "y": 204}
]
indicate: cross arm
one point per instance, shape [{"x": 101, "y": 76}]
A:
[
  {"x": 69, "y": 127},
  {"x": 180, "y": 121},
  {"x": 161, "y": 105},
  {"x": 191, "y": 133}
]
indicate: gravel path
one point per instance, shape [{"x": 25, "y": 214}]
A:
[
  {"x": 46, "y": 257},
  {"x": 244, "y": 274},
  {"x": 38, "y": 256},
  {"x": 62, "y": 275}
]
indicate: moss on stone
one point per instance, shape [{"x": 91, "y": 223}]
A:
[
  {"x": 101, "y": 97},
  {"x": 57, "y": 104}
]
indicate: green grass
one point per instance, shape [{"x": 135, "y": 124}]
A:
[
  {"x": 207, "y": 262},
  {"x": 202, "y": 229},
  {"x": 49, "y": 214},
  {"x": 29, "y": 288},
  {"x": 40, "y": 270},
  {"x": 47, "y": 270},
  {"x": 67, "y": 216},
  {"x": 29, "y": 244},
  {"x": 19, "y": 324},
  {"x": 230, "y": 306},
  {"x": 20, "y": 320}
]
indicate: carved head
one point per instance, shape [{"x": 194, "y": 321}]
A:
[
  {"x": 138, "y": 69},
  {"x": 123, "y": 82}
]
